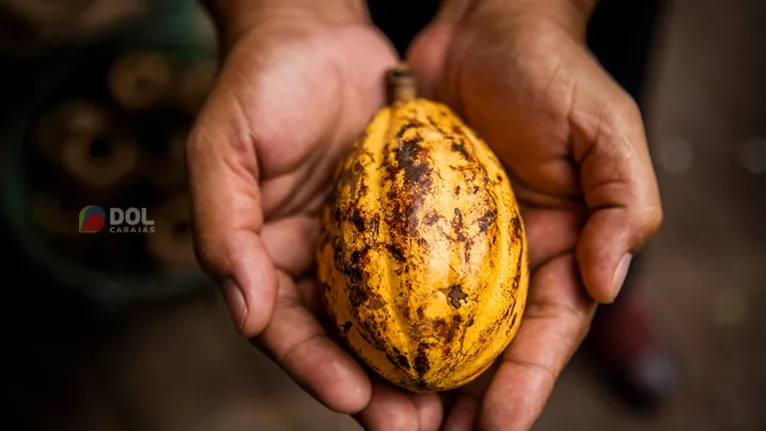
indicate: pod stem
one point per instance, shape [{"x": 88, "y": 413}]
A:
[{"x": 401, "y": 83}]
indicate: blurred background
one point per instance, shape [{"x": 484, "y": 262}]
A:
[{"x": 121, "y": 331}]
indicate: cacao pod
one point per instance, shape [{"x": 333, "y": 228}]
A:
[{"x": 423, "y": 254}]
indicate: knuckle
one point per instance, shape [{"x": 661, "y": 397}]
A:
[
  {"x": 653, "y": 219},
  {"x": 625, "y": 112},
  {"x": 201, "y": 251},
  {"x": 649, "y": 222},
  {"x": 210, "y": 256},
  {"x": 205, "y": 260}
]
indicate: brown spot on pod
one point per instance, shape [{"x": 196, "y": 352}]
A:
[
  {"x": 396, "y": 253},
  {"x": 402, "y": 361},
  {"x": 455, "y": 294},
  {"x": 347, "y": 327},
  {"x": 357, "y": 296},
  {"x": 411, "y": 159},
  {"x": 431, "y": 218},
  {"x": 358, "y": 222},
  {"x": 421, "y": 360},
  {"x": 376, "y": 303},
  {"x": 459, "y": 148},
  {"x": 516, "y": 226},
  {"x": 486, "y": 220}
]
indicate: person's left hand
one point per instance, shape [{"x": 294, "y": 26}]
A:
[{"x": 574, "y": 147}]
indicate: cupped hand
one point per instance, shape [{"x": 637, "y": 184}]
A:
[
  {"x": 295, "y": 90},
  {"x": 574, "y": 146}
]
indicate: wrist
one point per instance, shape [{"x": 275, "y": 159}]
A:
[
  {"x": 571, "y": 14},
  {"x": 235, "y": 17}
]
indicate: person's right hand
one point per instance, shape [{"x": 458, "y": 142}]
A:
[{"x": 299, "y": 83}]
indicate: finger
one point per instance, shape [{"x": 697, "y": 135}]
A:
[
  {"x": 551, "y": 232},
  {"x": 464, "y": 414},
  {"x": 430, "y": 411},
  {"x": 223, "y": 173},
  {"x": 427, "y": 55},
  {"x": 392, "y": 408},
  {"x": 298, "y": 343},
  {"x": 556, "y": 319},
  {"x": 620, "y": 188},
  {"x": 292, "y": 243}
]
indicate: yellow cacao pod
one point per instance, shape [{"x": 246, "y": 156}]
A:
[{"x": 423, "y": 254}]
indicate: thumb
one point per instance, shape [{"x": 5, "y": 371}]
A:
[
  {"x": 620, "y": 188},
  {"x": 227, "y": 215}
]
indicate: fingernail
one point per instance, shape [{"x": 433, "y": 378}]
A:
[
  {"x": 621, "y": 273},
  {"x": 236, "y": 302}
]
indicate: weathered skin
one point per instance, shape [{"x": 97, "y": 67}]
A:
[{"x": 423, "y": 254}]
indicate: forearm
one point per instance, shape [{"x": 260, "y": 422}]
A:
[{"x": 233, "y": 17}]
